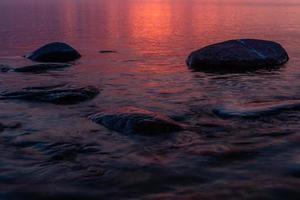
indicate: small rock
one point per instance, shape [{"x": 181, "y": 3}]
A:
[
  {"x": 4, "y": 68},
  {"x": 42, "y": 67},
  {"x": 131, "y": 120},
  {"x": 95, "y": 171},
  {"x": 54, "y": 52},
  {"x": 107, "y": 51},
  {"x": 13, "y": 125},
  {"x": 53, "y": 94},
  {"x": 238, "y": 55},
  {"x": 131, "y": 60}
]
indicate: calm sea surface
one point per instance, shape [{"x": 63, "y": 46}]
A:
[{"x": 56, "y": 152}]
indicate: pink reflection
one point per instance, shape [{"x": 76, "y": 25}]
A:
[
  {"x": 146, "y": 28},
  {"x": 150, "y": 20}
]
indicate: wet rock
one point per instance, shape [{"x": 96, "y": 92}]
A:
[
  {"x": 13, "y": 125},
  {"x": 42, "y": 67},
  {"x": 131, "y": 120},
  {"x": 55, "y": 95},
  {"x": 54, "y": 52},
  {"x": 48, "y": 87},
  {"x": 131, "y": 60},
  {"x": 107, "y": 51},
  {"x": 238, "y": 55},
  {"x": 257, "y": 110},
  {"x": 4, "y": 68},
  {"x": 95, "y": 171}
]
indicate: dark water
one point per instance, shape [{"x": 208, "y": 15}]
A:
[{"x": 56, "y": 152}]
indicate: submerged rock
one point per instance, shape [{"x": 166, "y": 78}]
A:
[
  {"x": 4, "y": 68},
  {"x": 238, "y": 55},
  {"x": 132, "y": 120},
  {"x": 55, "y": 94},
  {"x": 13, "y": 125},
  {"x": 54, "y": 52},
  {"x": 258, "y": 110},
  {"x": 42, "y": 67},
  {"x": 2, "y": 127}
]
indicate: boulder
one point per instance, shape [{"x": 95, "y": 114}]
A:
[
  {"x": 132, "y": 120},
  {"x": 238, "y": 55},
  {"x": 41, "y": 67},
  {"x": 54, "y": 52},
  {"x": 55, "y": 94}
]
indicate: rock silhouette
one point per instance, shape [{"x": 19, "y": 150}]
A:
[
  {"x": 54, "y": 52},
  {"x": 238, "y": 55}
]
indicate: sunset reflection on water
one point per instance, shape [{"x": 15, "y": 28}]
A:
[
  {"x": 60, "y": 151},
  {"x": 150, "y": 27}
]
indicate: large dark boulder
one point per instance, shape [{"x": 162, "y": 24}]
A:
[
  {"x": 54, "y": 52},
  {"x": 132, "y": 120},
  {"x": 238, "y": 55},
  {"x": 55, "y": 94}
]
